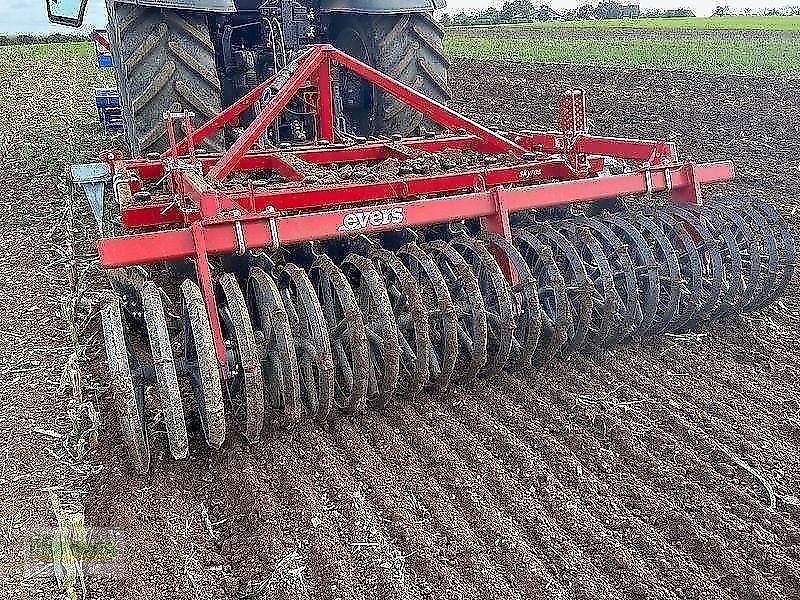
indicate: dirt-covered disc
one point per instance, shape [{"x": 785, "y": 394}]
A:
[
  {"x": 608, "y": 324},
  {"x": 787, "y": 249},
  {"x": 748, "y": 247},
  {"x": 311, "y": 341},
  {"x": 442, "y": 320},
  {"x": 496, "y": 294},
  {"x": 274, "y": 334},
  {"x": 712, "y": 273},
  {"x": 579, "y": 287},
  {"x": 623, "y": 271},
  {"x": 164, "y": 366},
  {"x": 381, "y": 327},
  {"x": 689, "y": 308},
  {"x": 201, "y": 362},
  {"x": 245, "y": 388},
  {"x": 556, "y": 315},
  {"x": 411, "y": 319},
  {"x": 665, "y": 260},
  {"x": 525, "y": 298},
  {"x": 129, "y": 398},
  {"x": 346, "y": 332},
  {"x": 691, "y": 269},
  {"x": 470, "y": 309},
  {"x": 732, "y": 268},
  {"x": 644, "y": 265},
  {"x": 768, "y": 253}
]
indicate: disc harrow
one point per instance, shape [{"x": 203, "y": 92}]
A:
[{"x": 311, "y": 298}]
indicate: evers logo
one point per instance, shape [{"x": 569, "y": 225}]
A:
[
  {"x": 530, "y": 173},
  {"x": 373, "y": 218}
]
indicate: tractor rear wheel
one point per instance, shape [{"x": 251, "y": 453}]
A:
[
  {"x": 164, "y": 61},
  {"x": 408, "y": 47}
]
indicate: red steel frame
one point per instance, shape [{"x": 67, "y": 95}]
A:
[{"x": 205, "y": 214}]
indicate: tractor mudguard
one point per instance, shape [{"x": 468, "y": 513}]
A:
[
  {"x": 380, "y": 7},
  {"x": 219, "y": 6}
]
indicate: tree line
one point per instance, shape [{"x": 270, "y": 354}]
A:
[
  {"x": 51, "y": 38},
  {"x": 526, "y": 11}
]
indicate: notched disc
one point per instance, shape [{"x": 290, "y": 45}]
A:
[
  {"x": 524, "y": 295},
  {"x": 747, "y": 247},
  {"x": 607, "y": 322},
  {"x": 470, "y": 309},
  {"x": 787, "y": 250},
  {"x": 691, "y": 299},
  {"x": 201, "y": 362},
  {"x": 379, "y": 321},
  {"x": 768, "y": 254},
  {"x": 496, "y": 294},
  {"x": 442, "y": 320},
  {"x": 712, "y": 274},
  {"x": 129, "y": 398},
  {"x": 246, "y": 386},
  {"x": 669, "y": 271},
  {"x": 273, "y": 333},
  {"x": 644, "y": 265},
  {"x": 580, "y": 290},
  {"x": 312, "y": 344},
  {"x": 556, "y": 315},
  {"x": 411, "y": 319},
  {"x": 346, "y": 332},
  {"x": 623, "y": 272},
  {"x": 164, "y": 366}
]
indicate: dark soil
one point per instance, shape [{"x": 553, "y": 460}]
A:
[{"x": 645, "y": 471}]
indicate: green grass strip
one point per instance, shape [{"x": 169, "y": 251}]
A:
[
  {"x": 712, "y": 55},
  {"x": 739, "y": 22}
]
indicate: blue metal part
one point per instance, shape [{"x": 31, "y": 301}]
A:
[
  {"x": 109, "y": 109},
  {"x": 105, "y": 60}
]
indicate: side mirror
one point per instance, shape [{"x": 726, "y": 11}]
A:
[{"x": 66, "y": 12}]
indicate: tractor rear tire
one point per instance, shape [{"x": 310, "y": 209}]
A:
[
  {"x": 409, "y": 48},
  {"x": 164, "y": 61}
]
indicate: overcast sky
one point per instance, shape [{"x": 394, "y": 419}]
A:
[{"x": 30, "y": 16}]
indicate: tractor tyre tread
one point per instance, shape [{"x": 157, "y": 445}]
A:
[{"x": 164, "y": 60}]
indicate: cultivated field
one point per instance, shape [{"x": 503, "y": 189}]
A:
[
  {"x": 731, "y": 45},
  {"x": 668, "y": 468}
]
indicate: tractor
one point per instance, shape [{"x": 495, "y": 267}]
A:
[{"x": 205, "y": 54}]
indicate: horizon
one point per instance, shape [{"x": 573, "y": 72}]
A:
[{"x": 21, "y": 17}]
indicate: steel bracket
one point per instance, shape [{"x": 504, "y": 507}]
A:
[{"x": 93, "y": 177}]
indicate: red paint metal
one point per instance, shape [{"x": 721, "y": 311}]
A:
[
  {"x": 268, "y": 114},
  {"x": 102, "y": 40},
  {"x": 325, "y": 101},
  {"x": 221, "y": 239},
  {"x": 203, "y": 269}
]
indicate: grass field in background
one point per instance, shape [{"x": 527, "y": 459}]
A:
[
  {"x": 754, "y": 23},
  {"x": 768, "y": 53}
]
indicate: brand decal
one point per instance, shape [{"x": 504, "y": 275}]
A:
[
  {"x": 372, "y": 218},
  {"x": 530, "y": 173}
]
